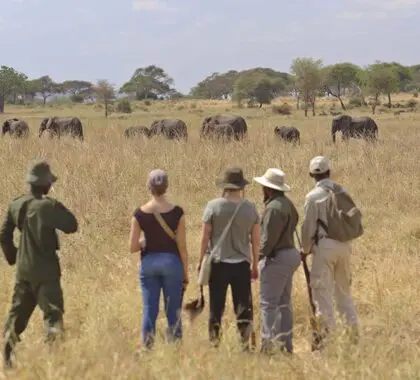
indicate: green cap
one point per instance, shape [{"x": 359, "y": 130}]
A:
[{"x": 39, "y": 174}]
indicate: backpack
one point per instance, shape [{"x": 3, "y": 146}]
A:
[{"x": 344, "y": 219}]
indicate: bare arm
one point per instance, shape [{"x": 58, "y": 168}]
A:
[
  {"x": 181, "y": 240},
  {"x": 134, "y": 238},
  {"x": 309, "y": 225},
  {"x": 205, "y": 239},
  {"x": 255, "y": 241}
]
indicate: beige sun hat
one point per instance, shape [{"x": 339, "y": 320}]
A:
[
  {"x": 319, "y": 165},
  {"x": 273, "y": 179}
]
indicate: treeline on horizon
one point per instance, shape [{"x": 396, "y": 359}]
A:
[{"x": 307, "y": 80}]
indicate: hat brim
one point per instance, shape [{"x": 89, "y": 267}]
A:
[
  {"x": 221, "y": 183},
  {"x": 34, "y": 180},
  {"x": 263, "y": 181}
]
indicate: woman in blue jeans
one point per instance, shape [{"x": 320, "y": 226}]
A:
[{"x": 164, "y": 258}]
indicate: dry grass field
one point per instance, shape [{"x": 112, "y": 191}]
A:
[{"x": 103, "y": 179}]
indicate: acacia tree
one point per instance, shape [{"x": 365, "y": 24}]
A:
[
  {"x": 338, "y": 78},
  {"x": 146, "y": 82},
  {"x": 46, "y": 87},
  {"x": 256, "y": 87},
  {"x": 105, "y": 92},
  {"x": 308, "y": 80},
  {"x": 379, "y": 79},
  {"x": 77, "y": 89}
]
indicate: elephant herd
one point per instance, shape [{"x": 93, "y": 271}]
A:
[
  {"x": 216, "y": 127},
  {"x": 235, "y": 127},
  {"x": 54, "y": 126}
]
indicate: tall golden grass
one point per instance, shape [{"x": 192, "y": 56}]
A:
[{"x": 103, "y": 179}]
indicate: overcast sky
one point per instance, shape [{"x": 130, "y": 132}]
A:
[{"x": 190, "y": 39}]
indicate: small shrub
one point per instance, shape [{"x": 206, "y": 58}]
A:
[
  {"x": 412, "y": 103},
  {"x": 77, "y": 98},
  {"x": 355, "y": 102},
  {"x": 193, "y": 106},
  {"x": 284, "y": 109},
  {"x": 147, "y": 103},
  {"x": 124, "y": 106},
  {"x": 415, "y": 94}
]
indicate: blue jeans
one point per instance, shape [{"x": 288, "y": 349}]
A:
[{"x": 161, "y": 271}]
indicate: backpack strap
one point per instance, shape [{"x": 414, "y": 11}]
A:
[{"x": 164, "y": 225}]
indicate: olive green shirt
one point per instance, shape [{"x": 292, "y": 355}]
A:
[
  {"x": 37, "y": 259},
  {"x": 278, "y": 224}
]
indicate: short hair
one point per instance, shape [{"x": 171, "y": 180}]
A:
[{"x": 157, "y": 182}]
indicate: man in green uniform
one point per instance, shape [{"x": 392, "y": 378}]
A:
[{"x": 37, "y": 264}]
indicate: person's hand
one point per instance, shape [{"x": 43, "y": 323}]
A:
[{"x": 254, "y": 271}]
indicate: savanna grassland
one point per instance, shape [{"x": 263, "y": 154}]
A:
[{"x": 103, "y": 179}]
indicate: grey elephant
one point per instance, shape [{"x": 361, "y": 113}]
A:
[
  {"x": 137, "y": 131},
  {"x": 59, "y": 126},
  {"x": 355, "y": 127},
  {"x": 218, "y": 131},
  {"x": 290, "y": 134},
  {"x": 211, "y": 126},
  {"x": 172, "y": 129},
  {"x": 15, "y": 128}
]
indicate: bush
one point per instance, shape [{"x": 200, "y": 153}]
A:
[
  {"x": 355, "y": 102},
  {"x": 284, "y": 109},
  {"x": 124, "y": 106},
  {"x": 147, "y": 103},
  {"x": 77, "y": 98},
  {"x": 415, "y": 94},
  {"x": 412, "y": 103}
]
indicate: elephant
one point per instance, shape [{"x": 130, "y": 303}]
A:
[
  {"x": 211, "y": 126},
  {"x": 137, "y": 131},
  {"x": 58, "y": 126},
  {"x": 218, "y": 131},
  {"x": 15, "y": 127},
  {"x": 356, "y": 127},
  {"x": 290, "y": 134},
  {"x": 172, "y": 129}
]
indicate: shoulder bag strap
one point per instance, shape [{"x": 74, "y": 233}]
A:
[
  {"x": 164, "y": 225},
  {"x": 225, "y": 231}
]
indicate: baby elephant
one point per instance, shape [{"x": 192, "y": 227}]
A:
[
  {"x": 15, "y": 127},
  {"x": 137, "y": 131},
  {"x": 290, "y": 134}
]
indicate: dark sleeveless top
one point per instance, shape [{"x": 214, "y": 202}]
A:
[{"x": 157, "y": 240}]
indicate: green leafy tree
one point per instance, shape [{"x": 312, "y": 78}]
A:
[
  {"x": 77, "y": 89},
  {"x": 379, "y": 79},
  {"x": 256, "y": 87},
  {"x": 105, "y": 92},
  {"x": 46, "y": 87},
  {"x": 11, "y": 83},
  {"x": 148, "y": 80},
  {"x": 215, "y": 86},
  {"x": 340, "y": 77},
  {"x": 308, "y": 73}
]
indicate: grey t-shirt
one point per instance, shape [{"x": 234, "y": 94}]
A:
[{"x": 236, "y": 245}]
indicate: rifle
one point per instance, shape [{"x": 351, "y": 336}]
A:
[{"x": 316, "y": 331}]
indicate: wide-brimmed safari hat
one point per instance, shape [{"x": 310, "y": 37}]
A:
[
  {"x": 233, "y": 178},
  {"x": 39, "y": 174},
  {"x": 273, "y": 179}
]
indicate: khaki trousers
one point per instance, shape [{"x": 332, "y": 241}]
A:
[{"x": 331, "y": 276}]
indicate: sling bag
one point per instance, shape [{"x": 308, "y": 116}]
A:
[{"x": 205, "y": 267}]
